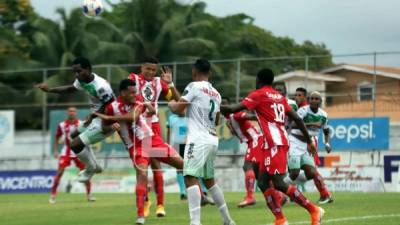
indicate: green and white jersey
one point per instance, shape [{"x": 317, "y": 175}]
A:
[
  {"x": 292, "y": 104},
  {"x": 320, "y": 119},
  {"x": 99, "y": 91}
]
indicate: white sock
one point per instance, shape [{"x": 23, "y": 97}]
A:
[
  {"x": 194, "y": 199},
  {"x": 87, "y": 158},
  {"x": 218, "y": 196},
  {"x": 288, "y": 180},
  {"x": 93, "y": 156},
  {"x": 301, "y": 178}
]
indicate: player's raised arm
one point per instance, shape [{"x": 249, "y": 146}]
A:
[
  {"x": 226, "y": 109},
  {"x": 166, "y": 76},
  {"x": 59, "y": 90},
  {"x": 300, "y": 124}
]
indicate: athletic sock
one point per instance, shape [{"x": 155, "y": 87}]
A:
[
  {"x": 181, "y": 183},
  {"x": 159, "y": 186},
  {"x": 141, "y": 191},
  {"x": 56, "y": 182},
  {"x": 296, "y": 196},
  {"x": 250, "y": 178},
  {"x": 87, "y": 158},
  {"x": 88, "y": 186},
  {"x": 194, "y": 199},
  {"x": 320, "y": 184},
  {"x": 273, "y": 199},
  {"x": 218, "y": 197}
]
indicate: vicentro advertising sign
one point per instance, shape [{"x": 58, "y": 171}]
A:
[{"x": 26, "y": 181}]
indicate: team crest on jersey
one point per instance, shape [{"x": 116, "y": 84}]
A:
[{"x": 148, "y": 93}]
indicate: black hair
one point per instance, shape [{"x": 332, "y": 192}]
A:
[
  {"x": 84, "y": 62},
  {"x": 301, "y": 89},
  {"x": 266, "y": 76},
  {"x": 202, "y": 65},
  {"x": 125, "y": 83},
  {"x": 150, "y": 60}
]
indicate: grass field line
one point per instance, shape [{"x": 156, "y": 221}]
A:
[{"x": 349, "y": 219}]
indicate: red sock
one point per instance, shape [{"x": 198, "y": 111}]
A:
[
  {"x": 273, "y": 202},
  {"x": 56, "y": 182},
  {"x": 296, "y": 196},
  {"x": 281, "y": 196},
  {"x": 88, "y": 187},
  {"x": 320, "y": 184},
  {"x": 250, "y": 179},
  {"x": 141, "y": 191},
  {"x": 159, "y": 186}
]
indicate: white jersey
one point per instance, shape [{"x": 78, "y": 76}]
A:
[
  {"x": 99, "y": 91},
  {"x": 308, "y": 116},
  {"x": 205, "y": 103}
]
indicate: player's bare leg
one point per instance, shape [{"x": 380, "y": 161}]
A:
[
  {"x": 87, "y": 157},
  {"x": 141, "y": 191},
  {"x": 56, "y": 182},
  {"x": 250, "y": 180},
  {"x": 312, "y": 173}
]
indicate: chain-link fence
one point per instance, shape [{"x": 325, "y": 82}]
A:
[{"x": 352, "y": 85}]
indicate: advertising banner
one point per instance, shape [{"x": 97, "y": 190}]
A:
[
  {"x": 26, "y": 181},
  {"x": 7, "y": 128}
]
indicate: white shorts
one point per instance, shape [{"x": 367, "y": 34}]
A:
[{"x": 199, "y": 160}]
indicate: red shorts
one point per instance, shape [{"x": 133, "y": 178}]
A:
[
  {"x": 254, "y": 151},
  {"x": 65, "y": 161},
  {"x": 274, "y": 160},
  {"x": 140, "y": 154}
]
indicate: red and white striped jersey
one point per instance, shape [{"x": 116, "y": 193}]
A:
[
  {"x": 64, "y": 130},
  {"x": 150, "y": 91},
  {"x": 243, "y": 128},
  {"x": 271, "y": 108},
  {"x": 130, "y": 133}
]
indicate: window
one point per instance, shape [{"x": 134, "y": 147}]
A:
[{"x": 365, "y": 91}]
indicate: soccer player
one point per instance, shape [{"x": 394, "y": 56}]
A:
[
  {"x": 176, "y": 133},
  {"x": 90, "y": 132},
  {"x": 271, "y": 109},
  {"x": 202, "y": 102},
  {"x": 281, "y": 88},
  {"x": 150, "y": 88},
  {"x": 315, "y": 119},
  {"x": 301, "y": 97},
  {"x": 64, "y": 129},
  {"x": 136, "y": 132},
  {"x": 240, "y": 125}
]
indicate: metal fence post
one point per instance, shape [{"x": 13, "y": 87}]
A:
[
  {"x": 44, "y": 118},
  {"x": 109, "y": 74},
  {"x": 174, "y": 73},
  {"x": 238, "y": 68},
  {"x": 374, "y": 90},
  {"x": 306, "y": 62}
]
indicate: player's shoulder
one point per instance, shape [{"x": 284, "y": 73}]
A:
[
  {"x": 304, "y": 108},
  {"x": 322, "y": 112}
]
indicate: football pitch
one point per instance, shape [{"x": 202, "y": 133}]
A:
[{"x": 119, "y": 209}]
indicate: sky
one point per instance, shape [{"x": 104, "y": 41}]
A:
[{"x": 345, "y": 26}]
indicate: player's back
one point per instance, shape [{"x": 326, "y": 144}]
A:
[
  {"x": 204, "y": 106},
  {"x": 271, "y": 108}
]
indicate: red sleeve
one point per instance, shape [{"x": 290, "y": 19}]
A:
[
  {"x": 109, "y": 110},
  {"x": 251, "y": 101},
  {"x": 132, "y": 76},
  {"x": 164, "y": 88},
  {"x": 286, "y": 105},
  {"x": 239, "y": 115},
  {"x": 59, "y": 131}
]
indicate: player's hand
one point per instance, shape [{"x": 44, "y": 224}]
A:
[
  {"x": 312, "y": 149},
  {"x": 328, "y": 148},
  {"x": 166, "y": 74},
  {"x": 88, "y": 121},
  {"x": 43, "y": 86},
  {"x": 116, "y": 127}
]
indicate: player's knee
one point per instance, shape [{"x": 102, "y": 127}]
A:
[
  {"x": 310, "y": 172},
  {"x": 247, "y": 166},
  {"x": 294, "y": 174},
  {"x": 77, "y": 145},
  {"x": 279, "y": 184}
]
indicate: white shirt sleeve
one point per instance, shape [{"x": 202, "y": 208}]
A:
[
  {"x": 302, "y": 112},
  {"x": 190, "y": 92},
  {"x": 77, "y": 85}
]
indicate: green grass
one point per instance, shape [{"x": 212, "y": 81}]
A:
[{"x": 110, "y": 209}]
